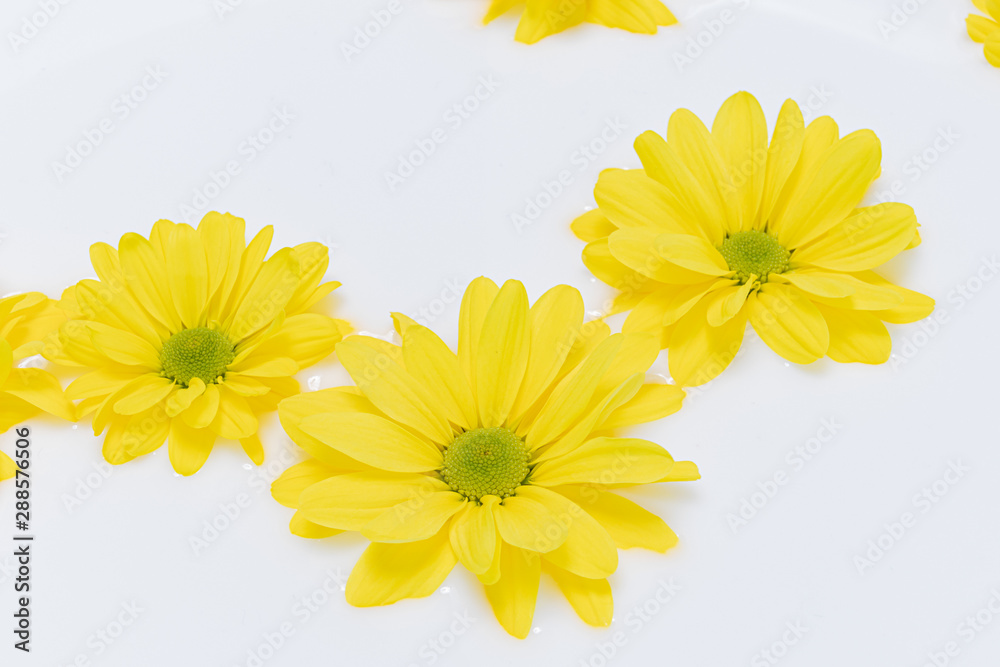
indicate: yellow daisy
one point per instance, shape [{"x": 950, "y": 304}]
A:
[
  {"x": 542, "y": 18},
  {"x": 719, "y": 229},
  {"x": 502, "y": 457},
  {"x": 190, "y": 335},
  {"x": 985, "y": 30},
  {"x": 26, "y": 320}
]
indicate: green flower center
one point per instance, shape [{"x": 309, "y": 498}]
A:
[
  {"x": 753, "y": 253},
  {"x": 196, "y": 353},
  {"x": 486, "y": 462}
]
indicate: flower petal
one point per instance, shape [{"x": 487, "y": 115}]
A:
[
  {"x": 591, "y": 599},
  {"x": 740, "y": 135},
  {"x": 289, "y": 486},
  {"x": 588, "y": 551},
  {"x": 782, "y": 156},
  {"x": 856, "y": 336},
  {"x": 524, "y": 520},
  {"x": 386, "y": 573},
  {"x": 303, "y": 527},
  {"x": 414, "y": 519},
  {"x": 390, "y": 388},
  {"x": 502, "y": 355},
  {"x": 652, "y": 402},
  {"x": 373, "y": 440},
  {"x": 789, "y": 323},
  {"x": 868, "y": 238},
  {"x": 189, "y": 447},
  {"x": 350, "y": 501},
  {"x": 628, "y": 524},
  {"x": 143, "y": 393},
  {"x": 605, "y": 460},
  {"x": 632, "y": 200},
  {"x": 513, "y": 596},
  {"x": 436, "y": 369},
  {"x": 698, "y": 351},
  {"x": 187, "y": 275},
  {"x": 592, "y": 225},
  {"x": 270, "y": 292},
  {"x": 473, "y": 535},
  {"x": 476, "y": 302}
]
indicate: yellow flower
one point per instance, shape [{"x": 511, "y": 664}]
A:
[
  {"x": 502, "y": 458},
  {"x": 986, "y": 31},
  {"x": 719, "y": 229},
  {"x": 26, "y": 320},
  {"x": 542, "y": 18},
  {"x": 190, "y": 335}
]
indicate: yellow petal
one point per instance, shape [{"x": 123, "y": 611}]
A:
[
  {"x": 814, "y": 145},
  {"x": 856, "y": 336},
  {"x": 414, "y": 519},
  {"x": 351, "y": 500},
  {"x": 124, "y": 347},
  {"x": 683, "y": 471},
  {"x": 499, "y": 8},
  {"x": 373, "y": 440},
  {"x": 6, "y": 360},
  {"x": 663, "y": 164},
  {"x": 270, "y": 292},
  {"x": 234, "y": 419},
  {"x": 914, "y": 306},
  {"x": 592, "y": 225},
  {"x": 632, "y": 200},
  {"x": 143, "y": 433},
  {"x": 868, "y": 238},
  {"x": 189, "y": 448},
  {"x": 292, "y": 411},
  {"x": 598, "y": 259},
  {"x": 789, "y": 323},
  {"x": 628, "y": 524},
  {"x": 525, "y": 521},
  {"x": 667, "y": 258},
  {"x": 436, "y": 369},
  {"x": 631, "y": 15},
  {"x": 386, "y": 573},
  {"x": 502, "y": 355},
  {"x": 652, "y": 402},
  {"x": 513, "y": 596},
  {"x": 187, "y": 275},
  {"x": 476, "y": 303},
  {"x": 569, "y": 401},
  {"x": 306, "y": 338},
  {"x": 253, "y": 448},
  {"x": 203, "y": 409},
  {"x": 698, "y": 351},
  {"x": 606, "y": 461},
  {"x": 540, "y": 20},
  {"x": 726, "y": 303},
  {"x": 473, "y": 535},
  {"x": 590, "y": 598},
  {"x": 143, "y": 393},
  {"x": 289, "y": 486},
  {"x": 687, "y": 135},
  {"x": 555, "y": 321},
  {"x": 303, "y": 527},
  {"x": 782, "y": 156},
  {"x": 740, "y": 135},
  {"x": 8, "y": 469},
  {"x": 840, "y": 184},
  {"x": 390, "y": 388},
  {"x": 145, "y": 276},
  {"x": 980, "y": 27},
  {"x": 41, "y": 389},
  {"x": 588, "y": 551},
  {"x": 992, "y": 48}
]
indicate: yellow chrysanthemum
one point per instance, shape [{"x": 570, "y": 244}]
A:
[
  {"x": 26, "y": 320},
  {"x": 189, "y": 335},
  {"x": 719, "y": 229},
  {"x": 542, "y": 18},
  {"x": 986, "y": 31},
  {"x": 502, "y": 458}
]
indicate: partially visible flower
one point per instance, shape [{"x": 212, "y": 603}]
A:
[
  {"x": 720, "y": 229},
  {"x": 190, "y": 335},
  {"x": 7, "y": 467},
  {"x": 542, "y": 18},
  {"x": 985, "y": 30},
  {"x": 26, "y": 320},
  {"x": 502, "y": 457}
]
